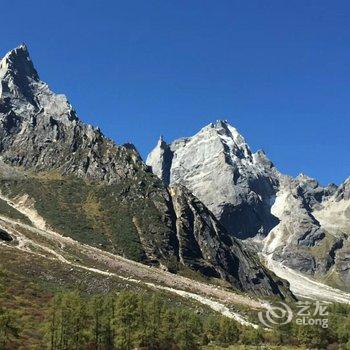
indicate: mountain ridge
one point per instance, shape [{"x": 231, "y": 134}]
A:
[
  {"x": 102, "y": 194},
  {"x": 285, "y": 217}
]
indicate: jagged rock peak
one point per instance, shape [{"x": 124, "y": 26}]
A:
[
  {"x": 18, "y": 62},
  {"x": 303, "y": 222},
  {"x": 229, "y": 136},
  {"x": 218, "y": 166},
  {"x": 161, "y": 142},
  {"x": 40, "y": 130},
  {"x": 22, "y": 91},
  {"x": 343, "y": 191},
  {"x": 307, "y": 180},
  {"x": 160, "y": 160}
]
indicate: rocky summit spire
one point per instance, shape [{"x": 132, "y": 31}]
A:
[
  {"x": 218, "y": 166},
  {"x": 160, "y": 160},
  {"x": 18, "y": 63},
  {"x": 18, "y": 77},
  {"x": 22, "y": 91}
]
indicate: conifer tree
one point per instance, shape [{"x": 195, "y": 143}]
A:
[{"x": 126, "y": 308}]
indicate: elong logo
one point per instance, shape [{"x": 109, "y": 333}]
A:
[
  {"x": 276, "y": 315},
  {"x": 309, "y": 314}
]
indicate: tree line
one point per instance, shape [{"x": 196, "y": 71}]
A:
[
  {"x": 129, "y": 320},
  {"x": 149, "y": 321}
]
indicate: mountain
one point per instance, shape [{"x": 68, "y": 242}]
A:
[
  {"x": 76, "y": 182},
  {"x": 218, "y": 166},
  {"x": 296, "y": 222}
]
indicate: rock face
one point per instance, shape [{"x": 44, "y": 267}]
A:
[
  {"x": 40, "y": 129},
  {"x": 218, "y": 166},
  {"x": 334, "y": 216},
  {"x": 205, "y": 245},
  {"x": 87, "y": 187},
  {"x": 302, "y": 224},
  {"x": 313, "y": 233}
]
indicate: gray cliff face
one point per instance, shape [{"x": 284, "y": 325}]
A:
[
  {"x": 301, "y": 223},
  {"x": 218, "y": 166},
  {"x": 333, "y": 216},
  {"x": 40, "y": 129},
  {"x": 41, "y": 136},
  {"x": 343, "y": 191},
  {"x": 205, "y": 245}
]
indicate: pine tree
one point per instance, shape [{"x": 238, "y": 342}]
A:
[
  {"x": 125, "y": 322},
  {"x": 313, "y": 336},
  {"x": 96, "y": 312},
  {"x": 169, "y": 324},
  {"x": 251, "y": 336},
  {"x": 108, "y": 316},
  {"x": 66, "y": 327},
  {"x": 52, "y": 327},
  {"x": 143, "y": 332},
  {"x": 154, "y": 311}
]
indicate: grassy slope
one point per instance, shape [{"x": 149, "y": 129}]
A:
[
  {"x": 94, "y": 214},
  {"x": 100, "y": 215},
  {"x": 32, "y": 281},
  {"x": 12, "y": 213}
]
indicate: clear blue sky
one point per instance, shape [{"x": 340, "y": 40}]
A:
[{"x": 278, "y": 70}]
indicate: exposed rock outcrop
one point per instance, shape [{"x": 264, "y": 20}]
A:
[
  {"x": 40, "y": 130},
  {"x": 218, "y": 166},
  {"x": 5, "y": 236},
  {"x": 205, "y": 245}
]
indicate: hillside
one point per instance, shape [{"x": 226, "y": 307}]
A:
[{"x": 88, "y": 188}]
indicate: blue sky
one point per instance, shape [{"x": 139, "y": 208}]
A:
[{"x": 279, "y": 71}]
